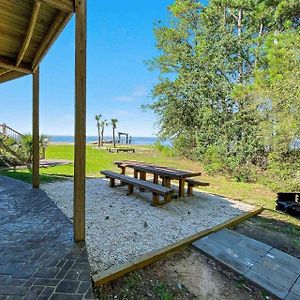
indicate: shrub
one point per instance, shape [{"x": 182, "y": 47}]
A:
[
  {"x": 165, "y": 150},
  {"x": 213, "y": 160}
]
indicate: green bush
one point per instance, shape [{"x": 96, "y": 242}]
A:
[
  {"x": 185, "y": 146},
  {"x": 245, "y": 173},
  {"x": 213, "y": 160},
  {"x": 19, "y": 153},
  {"x": 165, "y": 150},
  {"x": 216, "y": 162},
  {"x": 282, "y": 172}
]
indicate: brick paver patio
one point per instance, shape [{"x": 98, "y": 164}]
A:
[{"x": 38, "y": 258}]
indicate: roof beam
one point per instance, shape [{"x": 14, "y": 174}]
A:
[
  {"x": 57, "y": 26},
  {"x": 63, "y": 5},
  {"x": 4, "y": 72},
  {"x": 10, "y": 66},
  {"x": 10, "y": 75},
  {"x": 29, "y": 32}
]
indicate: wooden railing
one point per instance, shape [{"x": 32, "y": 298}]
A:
[
  {"x": 10, "y": 132},
  {"x": 12, "y": 152}
]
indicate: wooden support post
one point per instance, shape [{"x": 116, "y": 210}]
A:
[
  {"x": 155, "y": 178},
  {"x": 123, "y": 172},
  {"x": 142, "y": 177},
  {"x": 136, "y": 174},
  {"x": 35, "y": 130},
  {"x": 167, "y": 183},
  {"x": 181, "y": 188},
  {"x": 80, "y": 121}
]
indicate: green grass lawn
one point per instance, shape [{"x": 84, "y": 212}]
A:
[
  {"x": 101, "y": 159},
  {"x": 96, "y": 160}
]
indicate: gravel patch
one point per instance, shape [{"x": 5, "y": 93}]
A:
[{"x": 120, "y": 227}]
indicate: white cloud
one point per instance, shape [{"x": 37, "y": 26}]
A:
[{"x": 139, "y": 92}]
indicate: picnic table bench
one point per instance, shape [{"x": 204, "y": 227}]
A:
[
  {"x": 192, "y": 183},
  {"x": 121, "y": 150},
  {"x": 156, "y": 189}
]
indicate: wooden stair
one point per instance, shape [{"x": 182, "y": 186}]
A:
[{"x": 9, "y": 132}]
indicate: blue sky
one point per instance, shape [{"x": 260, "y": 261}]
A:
[{"x": 120, "y": 39}]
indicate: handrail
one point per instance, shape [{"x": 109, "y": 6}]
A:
[
  {"x": 10, "y": 132},
  {"x": 8, "y": 149}
]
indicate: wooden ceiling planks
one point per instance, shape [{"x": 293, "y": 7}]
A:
[{"x": 28, "y": 28}]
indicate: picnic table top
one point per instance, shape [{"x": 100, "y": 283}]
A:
[{"x": 156, "y": 169}]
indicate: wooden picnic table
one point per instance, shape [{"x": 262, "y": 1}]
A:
[{"x": 167, "y": 174}]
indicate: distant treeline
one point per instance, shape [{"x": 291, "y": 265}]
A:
[{"x": 229, "y": 89}]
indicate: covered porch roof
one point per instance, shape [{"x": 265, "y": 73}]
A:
[{"x": 28, "y": 28}]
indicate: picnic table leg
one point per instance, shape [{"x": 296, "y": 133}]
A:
[
  {"x": 142, "y": 177},
  {"x": 123, "y": 170},
  {"x": 155, "y": 179},
  {"x": 136, "y": 174},
  {"x": 181, "y": 188},
  {"x": 190, "y": 189},
  {"x": 130, "y": 189},
  {"x": 167, "y": 183},
  {"x": 112, "y": 182},
  {"x": 155, "y": 199}
]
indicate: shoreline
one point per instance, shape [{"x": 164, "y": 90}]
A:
[{"x": 94, "y": 143}]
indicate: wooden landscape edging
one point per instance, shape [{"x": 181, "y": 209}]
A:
[{"x": 152, "y": 257}]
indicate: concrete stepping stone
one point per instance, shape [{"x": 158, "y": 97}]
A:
[
  {"x": 273, "y": 287},
  {"x": 270, "y": 268},
  {"x": 223, "y": 254},
  {"x": 296, "y": 288},
  {"x": 292, "y": 263}
]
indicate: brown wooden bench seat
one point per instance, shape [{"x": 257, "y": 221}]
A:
[
  {"x": 192, "y": 183},
  {"x": 121, "y": 150},
  {"x": 156, "y": 189}
]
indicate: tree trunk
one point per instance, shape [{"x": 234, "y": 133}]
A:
[
  {"x": 102, "y": 136},
  {"x": 114, "y": 138},
  {"x": 99, "y": 137},
  {"x": 239, "y": 25},
  {"x": 261, "y": 28}
]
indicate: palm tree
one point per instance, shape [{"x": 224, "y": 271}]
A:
[
  {"x": 98, "y": 119},
  {"x": 103, "y": 124},
  {"x": 44, "y": 139},
  {"x": 114, "y": 126}
]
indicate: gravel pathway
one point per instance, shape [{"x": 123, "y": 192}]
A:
[{"x": 121, "y": 227}]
